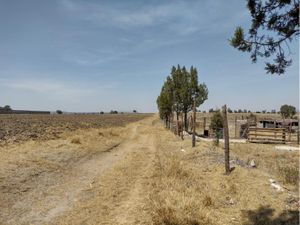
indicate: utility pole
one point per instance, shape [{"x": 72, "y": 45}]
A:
[
  {"x": 182, "y": 126},
  {"x": 194, "y": 124},
  {"x": 226, "y": 140}
]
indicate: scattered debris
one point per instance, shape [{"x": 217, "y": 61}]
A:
[
  {"x": 229, "y": 201},
  {"x": 272, "y": 181},
  {"x": 275, "y": 185},
  {"x": 252, "y": 164},
  {"x": 287, "y": 148}
]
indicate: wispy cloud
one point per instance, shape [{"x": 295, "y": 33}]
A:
[
  {"x": 143, "y": 27},
  {"x": 55, "y": 88},
  {"x": 183, "y": 17},
  {"x": 123, "y": 17}
]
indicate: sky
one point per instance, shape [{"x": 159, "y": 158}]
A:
[{"x": 97, "y": 55}]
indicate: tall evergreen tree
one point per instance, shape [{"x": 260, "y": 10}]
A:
[
  {"x": 180, "y": 92},
  {"x": 165, "y": 101}
]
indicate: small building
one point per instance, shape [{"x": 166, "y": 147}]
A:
[{"x": 290, "y": 124}]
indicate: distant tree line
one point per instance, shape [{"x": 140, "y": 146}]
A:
[
  {"x": 180, "y": 92},
  {"x": 6, "y": 108},
  {"x": 286, "y": 111}
]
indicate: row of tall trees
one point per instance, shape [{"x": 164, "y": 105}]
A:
[{"x": 180, "y": 93}]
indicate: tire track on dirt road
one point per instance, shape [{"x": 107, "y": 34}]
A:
[{"x": 121, "y": 195}]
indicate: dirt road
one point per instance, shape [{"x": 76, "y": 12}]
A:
[{"x": 100, "y": 180}]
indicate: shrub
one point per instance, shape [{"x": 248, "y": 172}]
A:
[
  {"x": 216, "y": 125},
  {"x": 216, "y": 122}
]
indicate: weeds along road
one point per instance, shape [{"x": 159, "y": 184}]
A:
[{"x": 91, "y": 177}]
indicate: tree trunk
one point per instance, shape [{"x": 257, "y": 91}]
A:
[
  {"x": 181, "y": 133},
  {"x": 226, "y": 140},
  {"x": 177, "y": 129},
  {"x": 186, "y": 125},
  {"x": 167, "y": 122},
  {"x": 194, "y": 124},
  {"x": 172, "y": 122}
]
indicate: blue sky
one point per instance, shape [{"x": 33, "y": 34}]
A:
[{"x": 88, "y": 55}]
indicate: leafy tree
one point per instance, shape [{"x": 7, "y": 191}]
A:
[
  {"x": 211, "y": 110},
  {"x": 101, "y": 112},
  {"x": 134, "y": 111},
  {"x": 7, "y": 108},
  {"x": 229, "y": 110},
  {"x": 275, "y": 23},
  {"x": 59, "y": 111},
  {"x": 287, "y": 111},
  {"x": 240, "y": 111}
]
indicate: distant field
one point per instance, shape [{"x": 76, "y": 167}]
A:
[{"x": 18, "y": 128}]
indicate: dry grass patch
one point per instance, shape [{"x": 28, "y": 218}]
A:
[
  {"x": 289, "y": 174},
  {"x": 76, "y": 140},
  {"x": 283, "y": 165},
  {"x": 189, "y": 187},
  {"x": 178, "y": 196}
]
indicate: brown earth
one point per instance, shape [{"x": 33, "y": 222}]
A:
[
  {"x": 137, "y": 174},
  {"x": 16, "y": 128}
]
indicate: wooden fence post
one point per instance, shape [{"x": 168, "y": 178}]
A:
[
  {"x": 177, "y": 124},
  {"x": 235, "y": 128},
  {"x": 226, "y": 140},
  {"x": 182, "y": 126},
  {"x": 194, "y": 124},
  {"x": 204, "y": 124}
]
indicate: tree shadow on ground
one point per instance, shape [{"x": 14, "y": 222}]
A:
[{"x": 264, "y": 216}]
